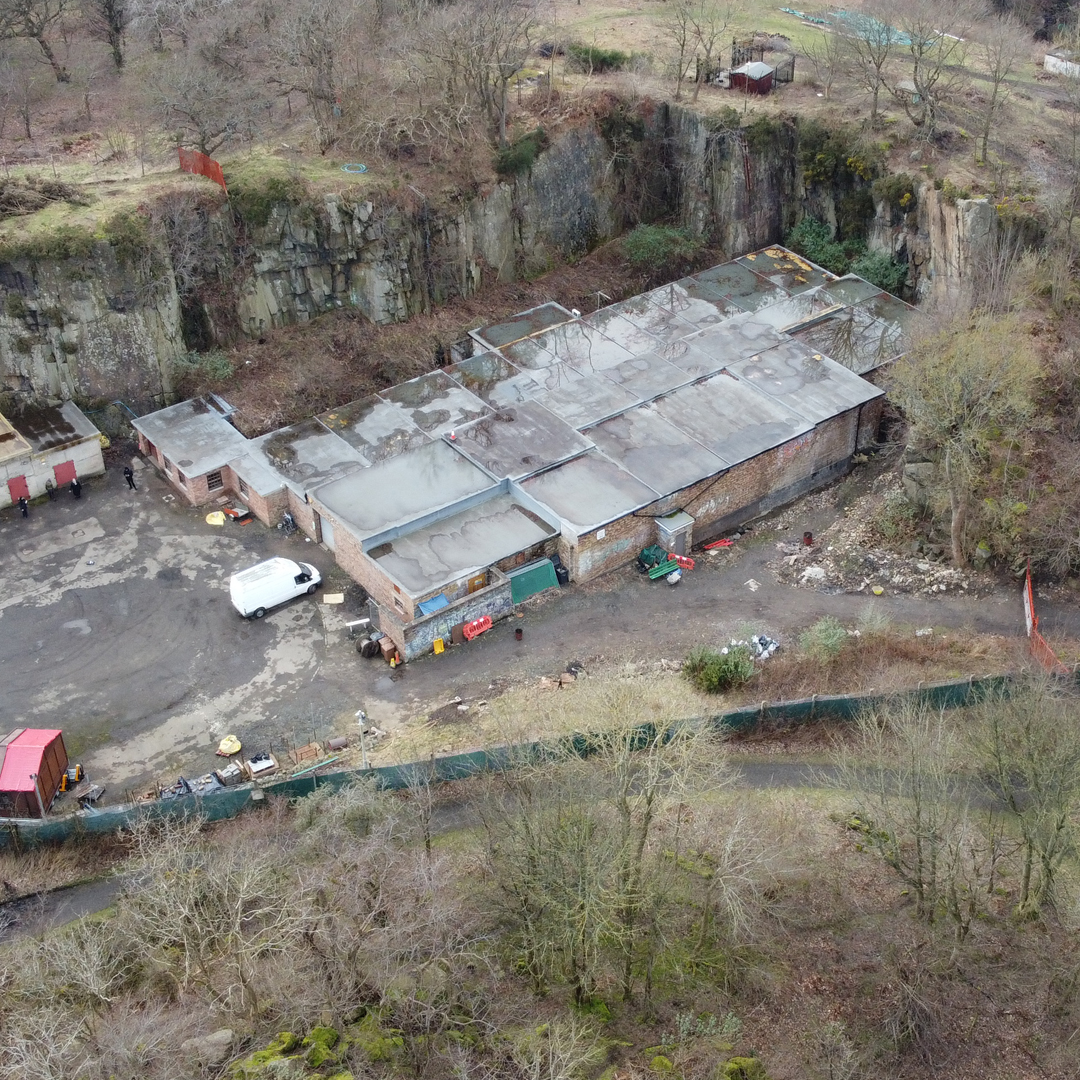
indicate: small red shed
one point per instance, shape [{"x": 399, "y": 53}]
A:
[
  {"x": 32, "y": 764},
  {"x": 753, "y": 78}
]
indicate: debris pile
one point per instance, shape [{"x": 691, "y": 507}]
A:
[{"x": 851, "y": 555}]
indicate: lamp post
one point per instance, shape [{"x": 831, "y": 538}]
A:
[{"x": 37, "y": 792}]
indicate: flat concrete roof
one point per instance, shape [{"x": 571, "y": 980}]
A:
[
  {"x": 400, "y": 489},
  {"x": 793, "y": 312},
  {"x": 730, "y": 417},
  {"x": 193, "y": 435},
  {"x": 493, "y": 379},
  {"x": 588, "y": 400},
  {"x": 785, "y": 269},
  {"x": 739, "y": 337},
  {"x": 12, "y": 444},
  {"x": 658, "y": 321},
  {"x": 854, "y": 338},
  {"x": 693, "y": 309},
  {"x": 582, "y": 347},
  {"x": 520, "y": 440},
  {"x": 302, "y": 456},
  {"x": 436, "y": 403},
  {"x": 694, "y": 363},
  {"x": 622, "y": 331},
  {"x": 529, "y": 354},
  {"x": 647, "y": 376},
  {"x": 805, "y": 381},
  {"x": 589, "y": 491},
  {"x": 456, "y": 546},
  {"x": 522, "y": 325},
  {"x": 378, "y": 428},
  {"x": 741, "y": 286},
  {"x": 850, "y": 289},
  {"x": 45, "y": 427},
  {"x": 656, "y": 451}
]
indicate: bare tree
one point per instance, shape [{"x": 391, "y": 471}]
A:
[
  {"x": 108, "y": 20},
  {"x": 1000, "y": 46},
  {"x": 829, "y": 54},
  {"x": 678, "y": 28},
  {"x": 206, "y": 107},
  {"x": 903, "y": 774},
  {"x": 35, "y": 20},
  {"x": 710, "y": 21},
  {"x": 871, "y": 47},
  {"x": 1026, "y": 745},
  {"x": 935, "y": 42}
]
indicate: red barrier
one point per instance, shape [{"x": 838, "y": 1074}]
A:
[
  {"x": 477, "y": 626},
  {"x": 1038, "y": 645},
  {"x": 193, "y": 161}
]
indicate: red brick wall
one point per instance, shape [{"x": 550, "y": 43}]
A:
[
  {"x": 715, "y": 500},
  {"x": 351, "y": 558},
  {"x": 303, "y": 513}
]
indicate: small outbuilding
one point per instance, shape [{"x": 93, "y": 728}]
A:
[
  {"x": 43, "y": 444},
  {"x": 753, "y": 78},
  {"x": 32, "y": 764}
]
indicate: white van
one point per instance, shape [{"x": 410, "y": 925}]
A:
[{"x": 256, "y": 590}]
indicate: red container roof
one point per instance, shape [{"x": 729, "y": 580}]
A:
[{"x": 20, "y": 756}]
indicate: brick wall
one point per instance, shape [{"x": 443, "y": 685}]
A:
[
  {"x": 303, "y": 513},
  {"x": 37, "y": 468},
  {"x": 869, "y": 423},
  {"x": 417, "y": 637},
  {"x": 719, "y": 503},
  {"x": 362, "y": 568}
]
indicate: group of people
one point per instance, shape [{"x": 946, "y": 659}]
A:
[{"x": 75, "y": 487}]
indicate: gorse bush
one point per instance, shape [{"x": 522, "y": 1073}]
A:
[
  {"x": 591, "y": 58},
  {"x": 881, "y": 270},
  {"x": 813, "y": 240},
  {"x": 714, "y": 672},
  {"x": 520, "y": 156},
  {"x": 213, "y": 366},
  {"x": 659, "y": 245},
  {"x": 824, "y": 640}
]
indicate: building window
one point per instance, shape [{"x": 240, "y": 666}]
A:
[
  {"x": 181, "y": 478},
  {"x": 243, "y": 486},
  {"x": 169, "y": 467},
  {"x": 399, "y": 605},
  {"x": 214, "y": 482}
]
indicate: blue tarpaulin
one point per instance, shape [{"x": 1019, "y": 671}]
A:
[{"x": 436, "y": 603}]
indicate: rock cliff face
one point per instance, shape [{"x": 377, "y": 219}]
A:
[{"x": 92, "y": 327}]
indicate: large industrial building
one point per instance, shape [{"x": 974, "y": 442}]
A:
[{"x": 669, "y": 418}]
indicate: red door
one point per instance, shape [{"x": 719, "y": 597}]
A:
[
  {"x": 64, "y": 473},
  {"x": 17, "y": 489}
]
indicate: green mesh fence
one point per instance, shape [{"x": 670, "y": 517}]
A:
[{"x": 229, "y": 803}]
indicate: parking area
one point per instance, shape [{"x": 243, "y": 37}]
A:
[{"x": 116, "y": 626}]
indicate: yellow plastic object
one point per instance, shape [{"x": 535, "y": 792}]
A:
[
  {"x": 440, "y": 648},
  {"x": 228, "y": 746},
  {"x": 216, "y": 518},
  {"x": 877, "y": 590}
]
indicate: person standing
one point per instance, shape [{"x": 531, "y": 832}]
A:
[
  {"x": 23, "y": 506},
  {"x": 50, "y": 490},
  {"x": 129, "y": 476},
  {"x": 76, "y": 488}
]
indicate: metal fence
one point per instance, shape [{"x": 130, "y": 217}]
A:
[{"x": 230, "y": 802}]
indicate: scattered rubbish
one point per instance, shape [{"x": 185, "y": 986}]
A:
[
  {"x": 752, "y": 585},
  {"x": 308, "y": 752},
  {"x": 89, "y": 562},
  {"x": 566, "y": 678},
  {"x": 684, "y": 561},
  {"x": 518, "y": 633},
  {"x": 813, "y": 573},
  {"x": 439, "y": 646},
  {"x": 233, "y": 773},
  {"x": 215, "y": 517},
  {"x": 761, "y": 646},
  {"x": 808, "y": 539},
  {"x": 228, "y": 746},
  {"x": 661, "y": 570},
  {"x": 926, "y": 631},
  {"x": 877, "y": 590},
  {"x": 339, "y": 742},
  {"x": 719, "y": 544},
  {"x": 575, "y": 667},
  {"x": 650, "y": 557},
  {"x": 333, "y": 598},
  {"x": 262, "y": 764},
  {"x": 674, "y": 577},
  {"x": 354, "y": 167}
]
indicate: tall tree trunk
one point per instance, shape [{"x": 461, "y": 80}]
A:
[{"x": 59, "y": 70}]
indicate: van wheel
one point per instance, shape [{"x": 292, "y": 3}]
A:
[
  {"x": 311, "y": 589},
  {"x": 259, "y": 612}
]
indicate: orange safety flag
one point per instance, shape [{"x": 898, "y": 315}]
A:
[{"x": 193, "y": 161}]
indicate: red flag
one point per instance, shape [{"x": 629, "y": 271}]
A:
[{"x": 194, "y": 162}]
